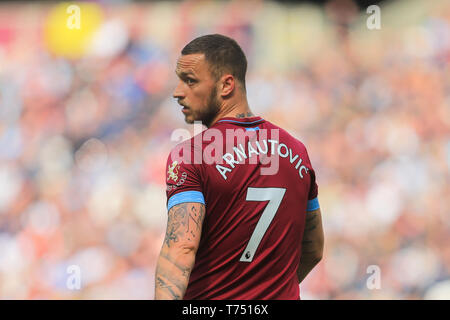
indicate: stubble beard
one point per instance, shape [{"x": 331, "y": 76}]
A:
[{"x": 212, "y": 108}]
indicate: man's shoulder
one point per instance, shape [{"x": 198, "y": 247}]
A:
[
  {"x": 192, "y": 143},
  {"x": 201, "y": 140},
  {"x": 187, "y": 152},
  {"x": 287, "y": 136}
]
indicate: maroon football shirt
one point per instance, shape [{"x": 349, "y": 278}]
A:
[{"x": 257, "y": 186}]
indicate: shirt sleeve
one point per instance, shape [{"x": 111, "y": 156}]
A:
[
  {"x": 313, "y": 200},
  {"x": 183, "y": 181},
  {"x": 313, "y": 189}
]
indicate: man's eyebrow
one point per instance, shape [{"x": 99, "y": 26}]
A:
[{"x": 184, "y": 74}]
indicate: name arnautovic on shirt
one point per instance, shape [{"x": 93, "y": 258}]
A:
[
  {"x": 257, "y": 148},
  {"x": 240, "y": 154}
]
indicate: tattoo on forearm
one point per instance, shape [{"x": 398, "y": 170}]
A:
[
  {"x": 185, "y": 271},
  {"x": 170, "y": 278},
  {"x": 163, "y": 285},
  {"x": 172, "y": 275}
]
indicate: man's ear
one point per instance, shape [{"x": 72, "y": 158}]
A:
[{"x": 228, "y": 84}]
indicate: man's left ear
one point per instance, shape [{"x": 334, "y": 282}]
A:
[{"x": 228, "y": 85}]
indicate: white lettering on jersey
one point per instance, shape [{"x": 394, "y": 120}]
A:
[
  {"x": 240, "y": 153},
  {"x": 259, "y": 147},
  {"x": 228, "y": 157},
  {"x": 251, "y": 150},
  {"x": 223, "y": 170},
  {"x": 283, "y": 151}
]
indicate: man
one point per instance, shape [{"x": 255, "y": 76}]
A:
[{"x": 234, "y": 231}]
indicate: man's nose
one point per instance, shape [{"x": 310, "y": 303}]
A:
[{"x": 178, "y": 93}]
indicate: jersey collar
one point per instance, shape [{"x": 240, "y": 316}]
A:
[{"x": 240, "y": 121}]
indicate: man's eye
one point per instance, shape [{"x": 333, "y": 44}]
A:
[{"x": 190, "y": 81}]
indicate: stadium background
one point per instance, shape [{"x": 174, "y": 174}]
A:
[{"x": 86, "y": 117}]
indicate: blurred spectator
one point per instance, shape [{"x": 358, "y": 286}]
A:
[{"x": 84, "y": 140}]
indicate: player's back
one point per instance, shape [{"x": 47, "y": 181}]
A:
[{"x": 256, "y": 186}]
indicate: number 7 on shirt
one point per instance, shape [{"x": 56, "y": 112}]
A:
[{"x": 275, "y": 196}]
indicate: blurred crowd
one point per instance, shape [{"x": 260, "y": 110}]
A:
[{"x": 84, "y": 139}]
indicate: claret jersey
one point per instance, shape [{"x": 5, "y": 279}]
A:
[{"x": 257, "y": 184}]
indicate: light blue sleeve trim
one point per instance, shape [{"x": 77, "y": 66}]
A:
[
  {"x": 185, "y": 196},
  {"x": 313, "y": 205}
]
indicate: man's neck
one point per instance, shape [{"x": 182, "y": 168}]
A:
[{"x": 236, "y": 110}]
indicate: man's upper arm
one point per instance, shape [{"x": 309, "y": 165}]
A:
[
  {"x": 313, "y": 238},
  {"x": 185, "y": 200},
  {"x": 184, "y": 225},
  {"x": 177, "y": 256}
]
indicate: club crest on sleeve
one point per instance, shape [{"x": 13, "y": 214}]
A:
[
  {"x": 173, "y": 176},
  {"x": 172, "y": 172}
]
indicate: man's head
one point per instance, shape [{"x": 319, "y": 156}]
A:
[{"x": 211, "y": 70}]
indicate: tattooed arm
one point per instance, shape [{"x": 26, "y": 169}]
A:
[
  {"x": 312, "y": 244},
  {"x": 177, "y": 257}
]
